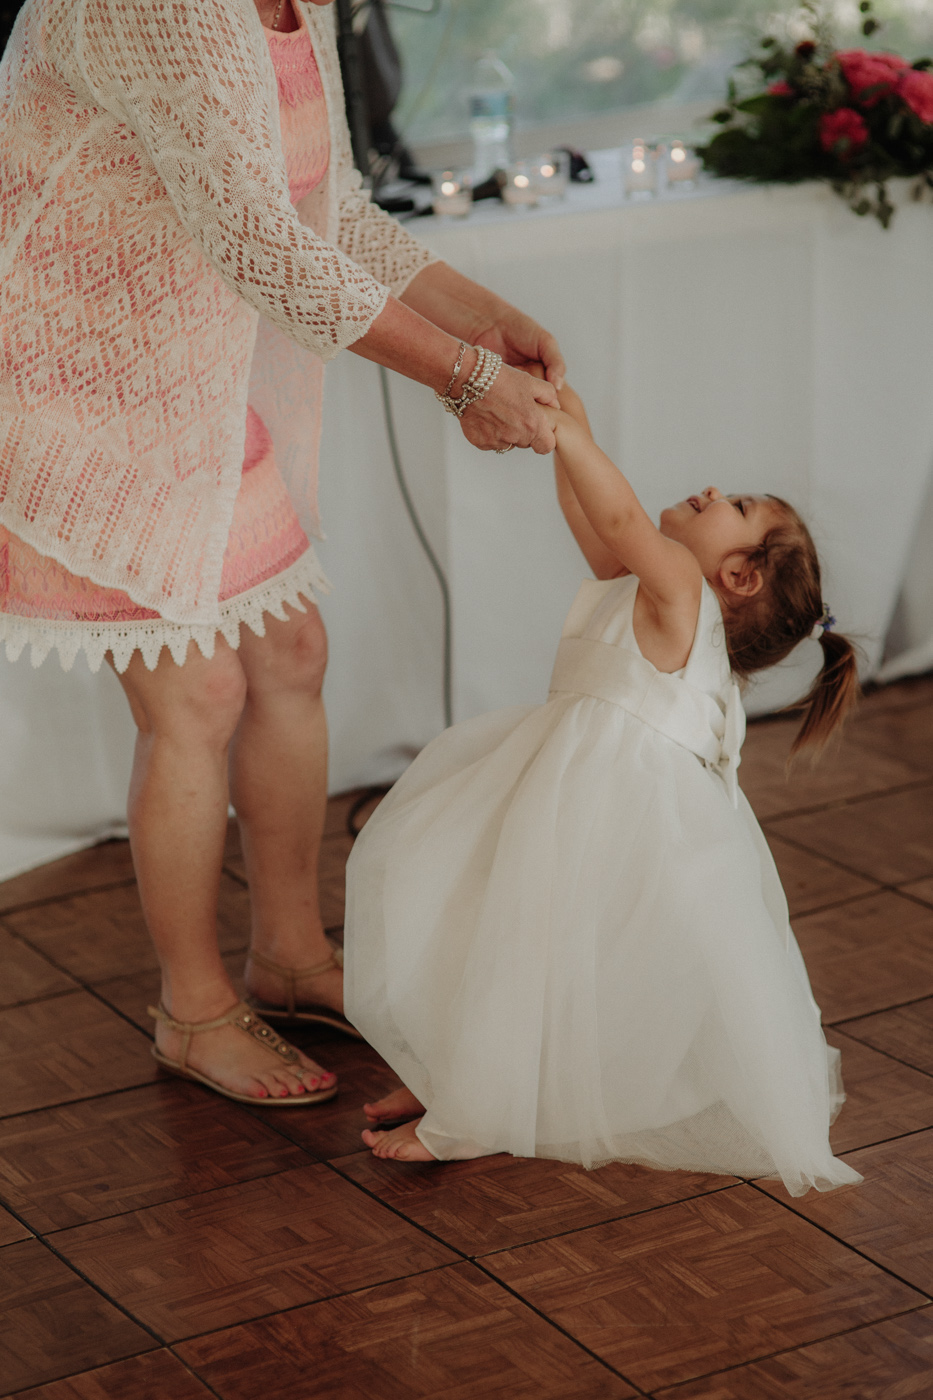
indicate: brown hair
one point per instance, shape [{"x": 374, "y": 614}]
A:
[{"x": 761, "y": 630}]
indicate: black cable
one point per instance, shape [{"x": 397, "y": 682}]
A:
[
  {"x": 370, "y": 794},
  {"x": 425, "y": 545}
]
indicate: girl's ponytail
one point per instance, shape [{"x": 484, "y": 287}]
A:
[
  {"x": 764, "y": 629},
  {"x": 832, "y": 694}
]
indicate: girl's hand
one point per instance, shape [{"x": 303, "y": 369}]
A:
[{"x": 518, "y": 411}]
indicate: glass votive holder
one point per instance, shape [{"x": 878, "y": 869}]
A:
[
  {"x": 552, "y": 174},
  {"x": 682, "y": 167},
  {"x": 639, "y": 171},
  {"x": 520, "y": 186},
  {"x": 452, "y": 193}
]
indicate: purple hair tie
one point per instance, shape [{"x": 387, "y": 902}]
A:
[{"x": 826, "y": 623}]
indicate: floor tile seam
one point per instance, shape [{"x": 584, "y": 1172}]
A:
[
  {"x": 92, "y": 985},
  {"x": 836, "y": 903},
  {"x": 83, "y": 983},
  {"x": 76, "y": 1375},
  {"x": 173, "y": 1200},
  {"x": 609, "y": 1220},
  {"x": 898, "y": 1137},
  {"x": 269, "y": 1120},
  {"x": 880, "y": 885},
  {"x": 847, "y": 1244},
  {"x": 68, "y": 894},
  {"x": 667, "y": 1392},
  {"x": 879, "y": 1011},
  {"x": 170, "y": 1347},
  {"x": 309, "y": 1303},
  {"x": 556, "y": 1326},
  {"x": 25, "y": 1224},
  {"x": 37, "y": 1001},
  {"x": 90, "y": 988},
  {"x": 168, "y": 1201},
  {"x": 46, "y": 957},
  {"x": 462, "y": 1256},
  {"x": 31, "y": 947},
  {"x": 895, "y": 1059},
  {"x": 67, "y": 1103},
  {"x": 895, "y": 1137},
  {"x": 837, "y": 804},
  {"x": 914, "y": 898},
  {"x": 101, "y": 1292}
]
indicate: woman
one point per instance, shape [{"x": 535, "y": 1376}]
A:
[{"x": 183, "y": 241}]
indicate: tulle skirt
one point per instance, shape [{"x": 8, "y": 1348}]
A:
[{"x": 569, "y": 943}]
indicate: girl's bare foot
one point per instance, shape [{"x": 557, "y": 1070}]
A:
[
  {"x": 400, "y": 1144},
  {"x": 401, "y": 1103},
  {"x": 242, "y": 1064}
]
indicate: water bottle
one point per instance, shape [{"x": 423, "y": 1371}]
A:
[{"x": 492, "y": 103}]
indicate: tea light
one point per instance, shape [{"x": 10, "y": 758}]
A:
[
  {"x": 640, "y": 174},
  {"x": 683, "y": 167},
  {"x": 452, "y": 193},
  {"x": 521, "y": 183},
  {"x": 552, "y": 174}
]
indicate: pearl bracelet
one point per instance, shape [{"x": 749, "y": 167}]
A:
[{"x": 485, "y": 373}]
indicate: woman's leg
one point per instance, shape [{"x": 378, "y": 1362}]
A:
[
  {"x": 186, "y": 716},
  {"x": 278, "y": 779}
]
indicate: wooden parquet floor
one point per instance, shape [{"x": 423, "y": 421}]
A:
[{"x": 160, "y": 1243}]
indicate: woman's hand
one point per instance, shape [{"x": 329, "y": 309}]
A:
[
  {"x": 514, "y": 413},
  {"x": 511, "y": 414},
  {"x": 519, "y": 339}
]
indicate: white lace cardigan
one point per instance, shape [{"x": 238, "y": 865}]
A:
[{"x": 146, "y": 232}]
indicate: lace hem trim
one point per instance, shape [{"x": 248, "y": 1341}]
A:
[{"x": 149, "y": 636}]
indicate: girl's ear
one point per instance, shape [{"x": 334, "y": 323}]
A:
[{"x": 739, "y": 577}]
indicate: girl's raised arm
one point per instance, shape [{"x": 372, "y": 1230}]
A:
[
  {"x": 627, "y": 538},
  {"x": 600, "y": 559}
]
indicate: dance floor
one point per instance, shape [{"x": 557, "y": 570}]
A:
[{"x": 160, "y": 1243}]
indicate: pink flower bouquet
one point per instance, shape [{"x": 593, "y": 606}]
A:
[{"x": 853, "y": 118}]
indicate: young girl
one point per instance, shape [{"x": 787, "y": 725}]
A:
[{"x": 565, "y": 931}]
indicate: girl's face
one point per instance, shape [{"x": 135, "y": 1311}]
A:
[{"x": 714, "y": 527}]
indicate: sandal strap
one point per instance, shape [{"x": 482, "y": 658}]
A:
[
  {"x": 292, "y": 975},
  {"x": 241, "y": 1016},
  {"x": 159, "y": 1013}
]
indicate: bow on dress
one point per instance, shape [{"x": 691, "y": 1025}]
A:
[{"x": 730, "y": 745}]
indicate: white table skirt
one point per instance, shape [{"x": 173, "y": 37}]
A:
[{"x": 753, "y": 339}]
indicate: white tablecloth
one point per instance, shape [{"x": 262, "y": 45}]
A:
[{"x": 753, "y": 339}]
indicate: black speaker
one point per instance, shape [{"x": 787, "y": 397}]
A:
[{"x": 9, "y": 9}]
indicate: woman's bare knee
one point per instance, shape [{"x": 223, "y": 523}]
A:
[
  {"x": 291, "y": 656},
  {"x": 199, "y": 701}
]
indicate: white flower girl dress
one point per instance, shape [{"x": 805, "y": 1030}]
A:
[{"x": 566, "y": 934}]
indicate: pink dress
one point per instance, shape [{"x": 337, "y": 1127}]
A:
[{"x": 269, "y": 560}]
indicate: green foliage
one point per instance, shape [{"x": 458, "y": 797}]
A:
[{"x": 782, "y": 133}]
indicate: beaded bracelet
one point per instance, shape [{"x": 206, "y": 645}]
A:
[
  {"x": 453, "y": 377},
  {"x": 485, "y": 372}
]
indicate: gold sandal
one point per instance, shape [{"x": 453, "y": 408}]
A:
[
  {"x": 246, "y": 1020},
  {"x": 311, "y": 1013}
]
